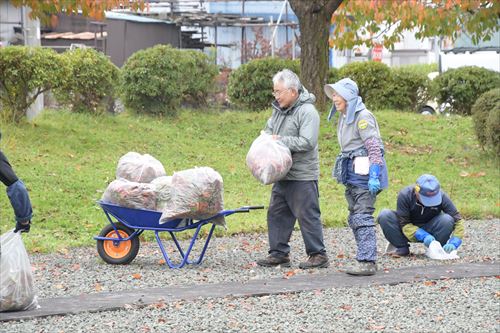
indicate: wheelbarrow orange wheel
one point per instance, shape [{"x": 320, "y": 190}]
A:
[{"x": 117, "y": 252}]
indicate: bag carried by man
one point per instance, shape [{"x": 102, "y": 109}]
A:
[{"x": 16, "y": 280}]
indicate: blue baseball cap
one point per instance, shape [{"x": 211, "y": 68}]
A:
[{"x": 429, "y": 190}]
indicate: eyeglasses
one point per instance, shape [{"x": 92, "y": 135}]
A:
[{"x": 279, "y": 93}]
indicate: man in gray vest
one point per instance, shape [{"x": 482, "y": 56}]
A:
[{"x": 295, "y": 123}]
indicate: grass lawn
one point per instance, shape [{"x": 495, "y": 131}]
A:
[{"x": 67, "y": 160}]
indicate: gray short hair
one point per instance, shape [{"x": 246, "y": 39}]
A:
[{"x": 289, "y": 79}]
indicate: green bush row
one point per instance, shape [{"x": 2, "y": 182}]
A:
[
  {"x": 155, "y": 80},
  {"x": 406, "y": 88}
]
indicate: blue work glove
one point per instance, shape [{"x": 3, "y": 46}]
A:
[
  {"x": 23, "y": 227},
  {"x": 449, "y": 247},
  {"x": 373, "y": 181},
  {"x": 452, "y": 244},
  {"x": 423, "y": 236}
]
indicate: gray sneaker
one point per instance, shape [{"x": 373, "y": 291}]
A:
[
  {"x": 271, "y": 261},
  {"x": 315, "y": 261},
  {"x": 363, "y": 268}
]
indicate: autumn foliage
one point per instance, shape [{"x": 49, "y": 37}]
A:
[{"x": 384, "y": 21}]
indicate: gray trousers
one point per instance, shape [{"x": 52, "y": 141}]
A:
[
  {"x": 361, "y": 208},
  {"x": 291, "y": 201}
]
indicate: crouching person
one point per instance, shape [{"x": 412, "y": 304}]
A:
[{"x": 424, "y": 213}]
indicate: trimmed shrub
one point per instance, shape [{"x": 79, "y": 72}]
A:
[
  {"x": 408, "y": 88},
  {"x": 153, "y": 80},
  {"x": 91, "y": 84},
  {"x": 251, "y": 84},
  {"x": 486, "y": 114},
  {"x": 462, "y": 86},
  {"x": 373, "y": 79},
  {"x": 26, "y": 72},
  {"x": 422, "y": 68},
  {"x": 493, "y": 128},
  {"x": 333, "y": 75},
  {"x": 199, "y": 74}
]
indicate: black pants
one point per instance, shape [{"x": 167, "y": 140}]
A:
[{"x": 292, "y": 201}]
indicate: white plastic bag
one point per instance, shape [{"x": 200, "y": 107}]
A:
[
  {"x": 163, "y": 188},
  {"x": 16, "y": 280},
  {"x": 269, "y": 160},
  {"x": 435, "y": 251},
  {"x": 139, "y": 168},
  {"x": 196, "y": 194}
]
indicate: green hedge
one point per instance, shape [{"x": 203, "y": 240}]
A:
[
  {"x": 199, "y": 75},
  {"x": 486, "y": 116},
  {"x": 91, "y": 83},
  {"x": 156, "y": 80},
  {"x": 462, "y": 86},
  {"x": 25, "y": 72},
  {"x": 408, "y": 89},
  {"x": 251, "y": 85},
  {"x": 373, "y": 79},
  {"x": 152, "y": 80}
]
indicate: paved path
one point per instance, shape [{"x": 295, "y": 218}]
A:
[{"x": 118, "y": 300}]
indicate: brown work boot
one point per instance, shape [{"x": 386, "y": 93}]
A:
[
  {"x": 315, "y": 261},
  {"x": 271, "y": 261}
]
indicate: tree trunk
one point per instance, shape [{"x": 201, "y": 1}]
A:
[{"x": 314, "y": 22}]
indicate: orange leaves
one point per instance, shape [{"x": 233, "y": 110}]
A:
[
  {"x": 429, "y": 283},
  {"x": 137, "y": 276},
  {"x": 473, "y": 174},
  {"x": 346, "y": 307},
  {"x": 95, "y": 9},
  {"x": 291, "y": 273}
]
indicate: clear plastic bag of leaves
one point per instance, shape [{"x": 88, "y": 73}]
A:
[
  {"x": 195, "y": 194},
  {"x": 16, "y": 279},
  {"x": 269, "y": 160}
]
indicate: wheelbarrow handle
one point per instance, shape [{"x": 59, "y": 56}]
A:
[
  {"x": 247, "y": 209},
  {"x": 253, "y": 207}
]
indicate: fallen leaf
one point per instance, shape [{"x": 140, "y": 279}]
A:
[
  {"x": 376, "y": 327},
  {"x": 340, "y": 255},
  {"x": 137, "y": 276},
  {"x": 161, "y": 262},
  {"x": 429, "y": 283},
  {"x": 76, "y": 267},
  {"x": 346, "y": 307},
  {"x": 250, "y": 265},
  {"x": 98, "y": 287},
  {"x": 464, "y": 174}
]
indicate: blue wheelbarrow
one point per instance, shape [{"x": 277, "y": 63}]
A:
[{"x": 118, "y": 242}]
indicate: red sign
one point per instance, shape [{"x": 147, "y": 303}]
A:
[{"x": 377, "y": 52}]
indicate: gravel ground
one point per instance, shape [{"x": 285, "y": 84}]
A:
[{"x": 465, "y": 305}]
